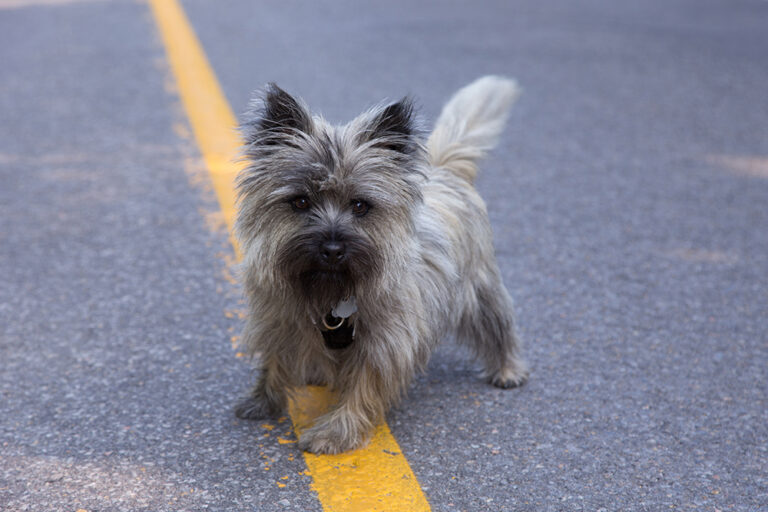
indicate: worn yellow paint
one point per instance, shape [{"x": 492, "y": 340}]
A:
[
  {"x": 374, "y": 478},
  {"x": 210, "y": 115},
  {"x": 744, "y": 165}
]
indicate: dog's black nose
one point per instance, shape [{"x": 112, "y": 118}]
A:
[{"x": 332, "y": 252}]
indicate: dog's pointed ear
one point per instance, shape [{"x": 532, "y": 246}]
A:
[
  {"x": 276, "y": 113},
  {"x": 394, "y": 127},
  {"x": 281, "y": 110}
]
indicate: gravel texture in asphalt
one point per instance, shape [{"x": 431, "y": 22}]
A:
[{"x": 628, "y": 196}]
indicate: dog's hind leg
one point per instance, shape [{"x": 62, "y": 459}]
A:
[{"x": 487, "y": 326}]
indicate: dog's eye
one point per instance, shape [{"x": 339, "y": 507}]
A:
[
  {"x": 300, "y": 203},
  {"x": 359, "y": 207}
]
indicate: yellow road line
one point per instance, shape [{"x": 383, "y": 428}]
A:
[
  {"x": 377, "y": 477},
  {"x": 210, "y": 115}
]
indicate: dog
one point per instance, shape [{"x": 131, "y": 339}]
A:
[{"x": 363, "y": 245}]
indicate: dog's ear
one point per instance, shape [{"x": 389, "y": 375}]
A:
[
  {"x": 393, "y": 127},
  {"x": 275, "y": 114},
  {"x": 281, "y": 110}
]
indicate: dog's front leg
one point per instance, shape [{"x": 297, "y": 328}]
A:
[
  {"x": 350, "y": 422},
  {"x": 372, "y": 377}
]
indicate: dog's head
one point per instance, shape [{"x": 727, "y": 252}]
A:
[{"x": 325, "y": 210}]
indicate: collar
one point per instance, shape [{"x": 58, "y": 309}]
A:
[
  {"x": 338, "y": 333},
  {"x": 337, "y": 330}
]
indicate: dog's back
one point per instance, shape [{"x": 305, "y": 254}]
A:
[
  {"x": 457, "y": 252},
  {"x": 453, "y": 228}
]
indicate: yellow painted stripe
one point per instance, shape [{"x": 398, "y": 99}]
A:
[
  {"x": 375, "y": 478},
  {"x": 210, "y": 115}
]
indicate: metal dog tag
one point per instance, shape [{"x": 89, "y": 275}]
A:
[{"x": 345, "y": 308}]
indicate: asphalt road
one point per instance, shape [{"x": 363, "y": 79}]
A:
[{"x": 629, "y": 198}]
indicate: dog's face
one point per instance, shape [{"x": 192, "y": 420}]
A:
[{"x": 324, "y": 210}]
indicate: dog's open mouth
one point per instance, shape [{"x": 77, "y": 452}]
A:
[{"x": 338, "y": 333}]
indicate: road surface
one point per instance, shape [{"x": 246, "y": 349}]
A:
[{"x": 628, "y": 196}]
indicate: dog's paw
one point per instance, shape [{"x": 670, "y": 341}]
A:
[
  {"x": 254, "y": 408},
  {"x": 325, "y": 439},
  {"x": 507, "y": 378}
]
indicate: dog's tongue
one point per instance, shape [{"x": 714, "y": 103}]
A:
[{"x": 345, "y": 308}]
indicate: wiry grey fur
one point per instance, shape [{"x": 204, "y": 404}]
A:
[{"x": 420, "y": 261}]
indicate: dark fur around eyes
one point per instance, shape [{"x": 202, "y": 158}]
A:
[
  {"x": 382, "y": 148},
  {"x": 377, "y": 158},
  {"x": 360, "y": 207},
  {"x": 300, "y": 203}
]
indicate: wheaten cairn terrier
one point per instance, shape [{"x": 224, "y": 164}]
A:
[{"x": 364, "y": 245}]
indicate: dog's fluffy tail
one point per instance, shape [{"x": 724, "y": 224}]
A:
[{"x": 470, "y": 124}]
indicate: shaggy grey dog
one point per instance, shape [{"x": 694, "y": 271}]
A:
[{"x": 363, "y": 246}]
